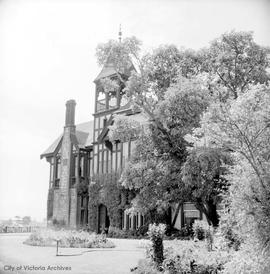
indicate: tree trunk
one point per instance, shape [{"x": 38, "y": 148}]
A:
[{"x": 212, "y": 216}]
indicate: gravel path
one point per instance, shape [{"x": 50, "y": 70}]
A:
[{"x": 119, "y": 260}]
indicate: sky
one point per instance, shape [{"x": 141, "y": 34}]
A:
[{"x": 47, "y": 56}]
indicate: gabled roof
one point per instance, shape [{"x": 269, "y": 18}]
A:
[
  {"x": 83, "y": 138},
  {"x": 107, "y": 70}
]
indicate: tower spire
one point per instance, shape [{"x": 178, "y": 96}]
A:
[{"x": 120, "y": 34}]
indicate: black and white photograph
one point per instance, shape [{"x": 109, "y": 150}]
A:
[{"x": 135, "y": 136}]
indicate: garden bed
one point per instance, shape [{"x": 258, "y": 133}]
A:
[
  {"x": 68, "y": 238},
  {"x": 186, "y": 257}
]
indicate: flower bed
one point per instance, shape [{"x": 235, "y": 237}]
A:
[
  {"x": 68, "y": 238},
  {"x": 186, "y": 257}
]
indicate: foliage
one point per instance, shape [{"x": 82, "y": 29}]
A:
[
  {"x": 58, "y": 223},
  {"x": 181, "y": 257},
  {"x": 26, "y": 220},
  {"x": 68, "y": 238},
  {"x": 156, "y": 231},
  {"x": 243, "y": 127},
  {"x": 203, "y": 231},
  {"x": 216, "y": 80},
  {"x": 82, "y": 188},
  {"x": 179, "y": 113},
  {"x": 249, "y": 260},
  {"x": 124, "y": 129},
  {"x": 156, "y": 234},
  {"x": 151, "y": 172},
  {"x": 146, "y": 266},
  {"x": 115, "y": 232},
  {"x": 119, "y": 54},
  {"x": 203, "y": 172},
  {"x": 228, "y": 231},
  {"x": 105, "y": 189},
  {"x": 184, "y": 233},
  {"x": 236, "y": 61}
]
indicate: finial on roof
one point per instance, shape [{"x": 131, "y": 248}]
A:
[{"x": 120, "y": 34}]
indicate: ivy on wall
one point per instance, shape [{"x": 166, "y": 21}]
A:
[{"x": 105, "y": 189}]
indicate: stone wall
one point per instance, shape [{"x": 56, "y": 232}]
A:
[
  {"x": 73, "y": 208},
  {"x": 50, "y": 204}
]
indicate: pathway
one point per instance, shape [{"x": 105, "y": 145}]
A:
[{"x": 42, "y": 260}]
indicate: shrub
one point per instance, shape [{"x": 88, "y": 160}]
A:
[
  {"x": 203, "y": 231},
  {"x": 185, "y": 233},
  {"x": 115, "y": 232},
  {"x": 183, "y": 257},
  {"x": 68, "y": 238},
  {"x": 248, "y": 260},
  {"x": 58, "y": 223},
  {"x": 228, "y": 230},
  {"x": 156, "y": 234},
  {"x": 146, "y": 266}
]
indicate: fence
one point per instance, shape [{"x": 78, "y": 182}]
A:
[{"x": 18, "y": 229}]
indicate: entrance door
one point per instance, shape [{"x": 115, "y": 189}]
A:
[{"x": 103, "y": 219}]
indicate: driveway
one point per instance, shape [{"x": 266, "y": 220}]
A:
[{"x": 16, "y": 257}]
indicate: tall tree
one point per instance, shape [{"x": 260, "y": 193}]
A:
[
  {"x": 243, "y": 127},
  {"x": 174, "y": 105},
  {"x": 235, "y": 61}
]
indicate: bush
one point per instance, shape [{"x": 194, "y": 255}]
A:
[
  {"x": 115, "y": 232},
  {"x": 203, "y": 231},
  {"x": 146, "y": 266},
  {"x": 68, "y": 238},
  {"x": 185, "y": 233},
  {"x": 228, "y": 230},
  {"x": 193, "y": 257},
  {"x": 156, "y": 234},
  {"x": 250, "y": 259},
  {"x": 58, "y": 223}
]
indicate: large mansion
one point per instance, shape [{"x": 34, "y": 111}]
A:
[{"x": 83, "y": 153}]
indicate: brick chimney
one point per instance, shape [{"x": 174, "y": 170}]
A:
[
  {"x": 70, "y": 113},
  {"x": 65, "y": 199}
]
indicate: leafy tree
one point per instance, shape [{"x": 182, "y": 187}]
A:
[
  {"x": 235, "y": 61},
  {"x": 243, "y": 127},
  {"x": 154, "y": 170},
  {"x": 26, "y": 220},
  {"x": 173, "y": 88},
  {"x": 203, "y": 172}
]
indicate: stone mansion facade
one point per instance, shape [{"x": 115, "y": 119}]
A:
[{"x": 83, "y": 151}]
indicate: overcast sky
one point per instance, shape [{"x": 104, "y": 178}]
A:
[{"x": 47, "y": 56}]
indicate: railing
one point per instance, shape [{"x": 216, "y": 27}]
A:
[
  {"x": 18, "y": 229},
  {"x": 101, "y": 105}
]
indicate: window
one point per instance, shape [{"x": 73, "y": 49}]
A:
[
  {"x": 100, "y": 162},
  {"x": 57, "y": 172},
  {"x": 125, "y": 153},
  {"x": 58, "y": 168},
  {"x": 191, "y": 213},
  {"x": 109, "y": 161},
  {"x": 51, "y": 173},
  {"x": 101, "y": 101},
  {"x": 95, "y": 163},
  {"x": 81, "y": 170}
]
